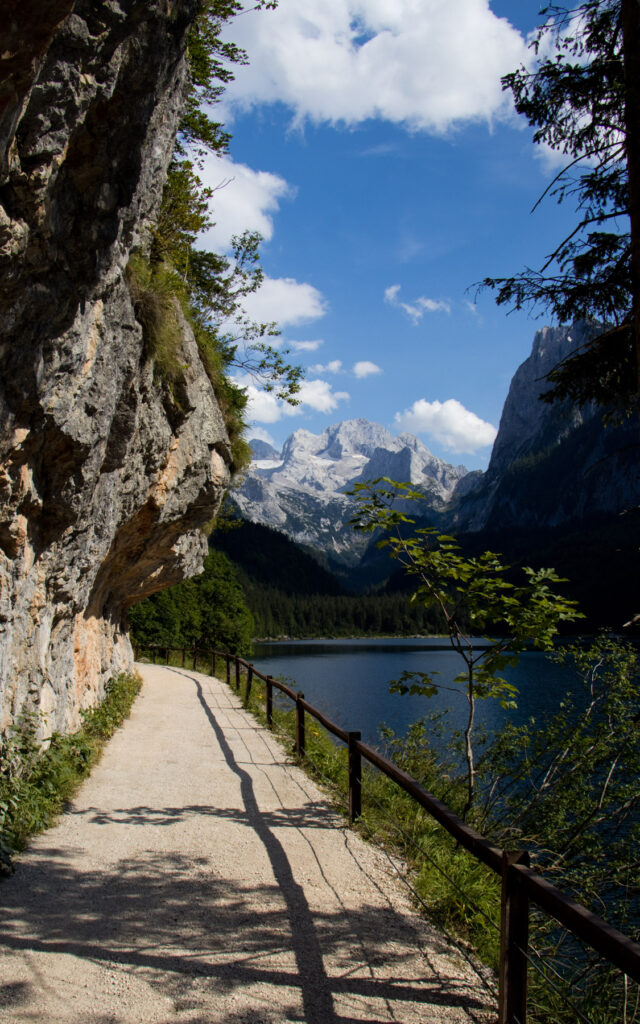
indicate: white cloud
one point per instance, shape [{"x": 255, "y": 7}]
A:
[
  {"x": 244, "y": 200},
  {"x": 365, "y": 368},
  {"x": 426, "y": 64},
  {"x": 260, "y": 434},
  {"x": 264, "y": 407},
  {"x": 319, "y": 395},
  {"x": 305, "y": 346},
  {"x": 286, "y": 301},
  {"x": 335, "y": 366},
  {"x": 455, "y": 427},
  {"x": 415, "y": 310}
]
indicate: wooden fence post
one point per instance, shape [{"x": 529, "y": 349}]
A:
[
  {"x": 300, "y": 737},
  {"x": 514, "y": 940},
  {"x": 228, "y": 661},
  {"x": 195, "y": 658},
  {"x": 269, "y": 707},
  {"x": 237, "y": 674},
  {"x": 355, "y": 778},
  {"x": 213, "y": 663},
  {"x": 249, "y": 682}
]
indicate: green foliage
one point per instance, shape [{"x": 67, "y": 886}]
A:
[
  {"x": 207, "y": 611},
  {"x": 575, "y": 101},
  {"x": 210, "y": 287},
  {"x": 464, "y": 590},
  {"x": 209, "y": 59},
  {"x": 570, "y": 790},
  {"x": 278, "y": 614},
  {"x": 290, "y": 594},
  {"x": 154, "y": 291},
  {"x": 567, "y": 790},
  {"x": 35, "y": 784}
]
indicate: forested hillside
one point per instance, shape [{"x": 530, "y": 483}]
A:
[{"x": 258, "y": 583}]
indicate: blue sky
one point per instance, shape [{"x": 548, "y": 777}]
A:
[{"x": 375, "y": 152}]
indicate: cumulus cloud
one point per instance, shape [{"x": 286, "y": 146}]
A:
[
  {"x": 455, "y": 427},
  {"x": 286, "y": 301},
  {"x": 365, "y": 369},
  {"x": 320, "y": 396},
  {"x": 426, "y": 64},
  {"x": 305, "y": 346},
  {"x": 243, "y": 200},
  {"x": 335, "y": 366},
  {"x": 415, "y": 310},
  {"x": 264, "y": 407},
  {"x": 260, "y": 434}
]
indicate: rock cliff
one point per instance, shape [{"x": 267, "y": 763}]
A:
[
  {"x": 550, "y": 464},
  {"x": 105, "y": 478}
]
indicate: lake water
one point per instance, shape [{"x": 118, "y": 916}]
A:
[{"x": 349, "y": 681}]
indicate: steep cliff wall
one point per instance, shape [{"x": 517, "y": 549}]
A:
[
  {"x": 550, "y": 464},
  {"x": 105, "y": 477}
]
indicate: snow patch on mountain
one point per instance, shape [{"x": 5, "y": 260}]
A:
[{"x": 301, "y": 491}]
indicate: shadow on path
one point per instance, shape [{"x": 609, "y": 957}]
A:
[
  {"x": 199, "y": 936},
  {"x": 314, "y": 986}
]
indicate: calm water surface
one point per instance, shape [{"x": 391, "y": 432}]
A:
[{"x": 349, "y": 681}]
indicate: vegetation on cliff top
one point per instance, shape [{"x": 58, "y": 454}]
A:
[{"x": 210, "y": 287}]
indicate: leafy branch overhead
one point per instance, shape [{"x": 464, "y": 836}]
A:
[{"x": 580, "y": 100}]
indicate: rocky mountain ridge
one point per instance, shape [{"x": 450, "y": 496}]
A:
[
  {"x": 301, "y": 491},
  {"x": 551, "y": 465}
]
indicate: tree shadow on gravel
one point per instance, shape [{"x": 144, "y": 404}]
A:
[{"x": 196, "y": 936}]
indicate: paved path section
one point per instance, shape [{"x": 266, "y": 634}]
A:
[{"x": 199, "y": 877}]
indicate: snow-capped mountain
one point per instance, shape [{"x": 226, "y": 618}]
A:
[{"x": 301, "y": 490}]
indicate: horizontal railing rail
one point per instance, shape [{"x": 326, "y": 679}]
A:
[{"x": 521, "y": 884}]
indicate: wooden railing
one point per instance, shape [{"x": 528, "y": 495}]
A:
[{"x": 521, "y": 885}]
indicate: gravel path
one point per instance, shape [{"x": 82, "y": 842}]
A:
[{"x": 199, "y": 877}]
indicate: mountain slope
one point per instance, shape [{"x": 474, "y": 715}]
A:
[
  {"x": 270, "y": 558},
  {"x": 302, "y": 492},
  {"x": 551, "y": 464}
]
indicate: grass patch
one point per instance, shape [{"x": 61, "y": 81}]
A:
[
  {"x": 154, "y": 290},
  {"x": 160, "y": 297},
  {"x": 35, "y": 785}
]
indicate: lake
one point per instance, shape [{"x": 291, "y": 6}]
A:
[{"x": 349, "y": 681}]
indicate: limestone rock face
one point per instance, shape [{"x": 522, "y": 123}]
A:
[
  {"x": 550, "y": 464},
  {"x": 105, "y": 478}
]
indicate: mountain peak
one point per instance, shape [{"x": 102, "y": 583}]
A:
[{"x": 302, "y": 492}]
